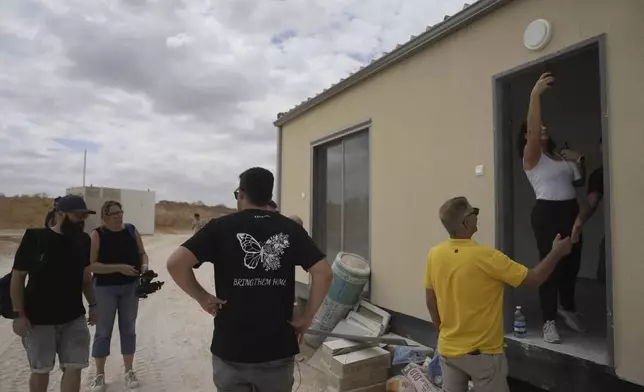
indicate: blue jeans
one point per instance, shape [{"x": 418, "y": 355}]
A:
[{"x": 111, "y": 300}]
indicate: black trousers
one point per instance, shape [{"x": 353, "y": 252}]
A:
[{"x": 548, "y": 219}]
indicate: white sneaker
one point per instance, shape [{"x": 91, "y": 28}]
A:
[
  {"x": 131, "y": 381},
  {"x": 572, "y": 320},
  {"x": 98, "y": 383},
  {"x": 550, "y": 334}
]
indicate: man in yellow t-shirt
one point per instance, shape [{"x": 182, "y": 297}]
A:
[{"x": 464, "y": 284}]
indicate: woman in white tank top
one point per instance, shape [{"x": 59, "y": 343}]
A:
[{"x": 553, "y": 177}]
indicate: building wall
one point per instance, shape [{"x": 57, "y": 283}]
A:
[
  {"x": 434, "y": 111},
  {"x": 139, "y": 209}
]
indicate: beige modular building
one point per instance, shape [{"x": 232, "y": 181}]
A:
[
  {"x": 367, "y": 162},
  {"x": 138, "y": 206}
]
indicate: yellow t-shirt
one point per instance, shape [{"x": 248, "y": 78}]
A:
[{"x": 468, "y": 280}]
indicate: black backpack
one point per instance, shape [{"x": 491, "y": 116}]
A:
[{"x": 6, "y": 307}]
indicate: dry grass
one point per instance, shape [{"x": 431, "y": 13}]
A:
[
  {"x": 21, "y": 212},
  {"x": 173, "y": 216}
]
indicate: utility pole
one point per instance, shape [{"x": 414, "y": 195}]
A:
[{"x": 84, "y": 167}]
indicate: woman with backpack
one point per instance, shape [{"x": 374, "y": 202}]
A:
[{"x": 117, "y": 259}]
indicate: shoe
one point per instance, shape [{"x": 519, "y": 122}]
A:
[
  {"x": 131, "y": 381},
  {"x": 98, "y": 383},
  {"x": 550, "y": 334},
  {"x": 572, "y": 320}
]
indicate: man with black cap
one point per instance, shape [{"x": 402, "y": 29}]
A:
[{"x": 50, "y": 315}]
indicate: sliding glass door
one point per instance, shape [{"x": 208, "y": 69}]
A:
[{"x": 341, "y": 195}]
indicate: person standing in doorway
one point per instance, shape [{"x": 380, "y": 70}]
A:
[
  {"x": 117, "y": 259},
  {"x": 553, "y": 177},
  {"x": 254, "y": 252},
  {"x": 464, "y": 284},
  {"x": 594, "y": 196},
  {"x": 197, "y": 224},
  {"x": 50, "y": 313}
]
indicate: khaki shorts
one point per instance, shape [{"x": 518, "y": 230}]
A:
[
  {"x": 488, "y": 373},
  {"x": 70, "y": 341}
]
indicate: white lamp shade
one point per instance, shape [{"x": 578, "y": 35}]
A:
[{"x": 537, "y": 35}]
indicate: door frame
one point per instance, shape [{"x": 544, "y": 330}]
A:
[
  {"x": 339, "y": 136},
  {"x": 504, "y": 179}
]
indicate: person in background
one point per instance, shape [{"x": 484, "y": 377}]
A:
[
  {"x": 117, "y": 259},
  {"x": 254, "y": 253},
  {"x": 464, "y": 284},
  {"x": 297, "y": 219},
  {"x": 50, "y": 313},
  {"x": 594, "y": 196},
  {"x": 272, "y": 206},
  {"x": 50, "y": 219},
  {"x": 553, "y": 177},
  {"x": 197, "y": 224}
]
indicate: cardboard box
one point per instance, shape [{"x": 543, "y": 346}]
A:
[
  {"x": 358, "y": 361},
  {"x": 357, "y": 380},
  {"x": 332, "y": 348}
]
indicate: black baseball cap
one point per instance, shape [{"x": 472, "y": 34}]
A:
[{"x": 73, "y": 203}]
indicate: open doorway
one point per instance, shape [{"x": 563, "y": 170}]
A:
[{"x": 573, "y": 111}]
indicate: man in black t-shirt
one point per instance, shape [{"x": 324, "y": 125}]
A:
[
  {"x": 254, "y": 252},
  {"x": 594, "y": 196},
  {"x": 50, "y": 316}
]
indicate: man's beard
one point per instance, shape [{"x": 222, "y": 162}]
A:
[{"x": 71, "y": 228}]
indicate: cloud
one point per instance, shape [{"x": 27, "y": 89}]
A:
[
  {"x": 78, "y": 144},
  {"x": 177, "y": 97}
]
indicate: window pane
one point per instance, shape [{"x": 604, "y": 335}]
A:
[
  {"x": 332, "y": 204},
  {"x": 356, "y": 195}
]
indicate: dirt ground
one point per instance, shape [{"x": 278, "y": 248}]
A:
[{"x": 173, "y": 336}]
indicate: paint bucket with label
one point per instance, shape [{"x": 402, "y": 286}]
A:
[{"x": 350, "y": 275}]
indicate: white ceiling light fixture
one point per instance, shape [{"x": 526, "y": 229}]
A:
[{"x": 537, "y": 35}]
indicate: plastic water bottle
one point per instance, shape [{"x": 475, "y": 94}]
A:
[{"x": 520, "y": 326}]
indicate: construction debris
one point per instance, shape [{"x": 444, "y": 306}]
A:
[
  {"x": 357, "y": 355},
  {"x": 396, "y": 341},
  {"x": 418, "y": 377},
  {"x": 342, "y": 346},
  {"x": 350, "y": 274},
  {"x": 400, "y": 384},
  {"x": 368, "y": 367}
]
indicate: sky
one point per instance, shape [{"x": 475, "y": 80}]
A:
[{"x": 174, "y": 96}]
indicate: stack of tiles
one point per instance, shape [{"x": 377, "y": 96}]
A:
[{"x": 352, "y": 367}]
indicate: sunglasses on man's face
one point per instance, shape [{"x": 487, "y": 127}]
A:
[
  {"x": 236, "y": 194},
  {"x": 79, "y": 216}
]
